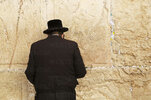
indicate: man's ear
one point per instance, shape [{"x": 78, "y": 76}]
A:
[{"x": 62, "y": 35}]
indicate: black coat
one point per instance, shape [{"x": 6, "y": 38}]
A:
[{"x": 54, "y": 65}]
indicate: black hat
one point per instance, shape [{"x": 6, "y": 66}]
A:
[{"x": 55, "y": 25}]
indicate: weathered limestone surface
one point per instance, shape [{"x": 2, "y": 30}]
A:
[
  {"x": 132, "y": 32},
  {"x": 23, "y": 21},
  {"x": 14, "y": 86},
  {"x": 116, "y": 84},
  {"x": 106, "y": 83},
  {"x": 88, "y": 25}
]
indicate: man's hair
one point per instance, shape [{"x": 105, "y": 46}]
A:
[
  {"x": 56, "y": 32},
  {"x": 60, "y": 33}
]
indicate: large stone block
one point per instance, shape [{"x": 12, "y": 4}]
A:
[
  {"x": 127, "y": 83},
  {"x": 88, "y": 25},
  {"x": 132, "y": 42},
  {"x": 11, "y": 86},
  {"x": 14, "y": 85},
  {"x": 22, "y": 23},
  {"x": 9, "y": 11}
]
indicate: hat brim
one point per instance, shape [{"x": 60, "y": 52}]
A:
[{"x": 62, "y": 29}]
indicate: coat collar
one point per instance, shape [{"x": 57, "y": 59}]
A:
[{"x": 53, "y": 36}]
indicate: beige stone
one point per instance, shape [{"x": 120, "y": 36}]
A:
[
  {"x": 115, "y": 84},
  {"x": 105, "y": 83},
  {"x": 15, "y": 86},
  {"x": 11, "y": 86},
  {"x": 132, "y": 32},
  {"x": 88, "y": 25},
  {"x": 22, "y": 23}
]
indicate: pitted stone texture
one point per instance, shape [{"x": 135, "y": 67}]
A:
[
  {"x": 22, "y": 23},
  {"x": 8, "y": 11},
  {"x": 142, "y": 90},
  {"x": 11, "y": 86},
  {"x": 104, "y": 83},
  {"x": 115, "y": 84},
  {"x": 14, "y": 86},
  {"x": 88, "y": 25},
  {"x": 132, "y": 42}
]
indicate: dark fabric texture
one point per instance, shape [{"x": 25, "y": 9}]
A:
[
  {"x": 54, "y": 65},
  {"x": 56, "y": 96}
]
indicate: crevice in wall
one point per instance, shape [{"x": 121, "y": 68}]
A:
[{"x": 17, "y": 37}]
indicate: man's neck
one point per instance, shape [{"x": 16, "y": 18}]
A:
[{"x": 55, "y": 34}]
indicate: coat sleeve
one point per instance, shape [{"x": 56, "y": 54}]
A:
[
  {"x": 79, "y": 65},
  {"x": 30, "y": 70}
]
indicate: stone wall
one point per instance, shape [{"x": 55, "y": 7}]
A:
[
  {"x": 132, "y": 33},
  {"x": 120, "y": 71}
]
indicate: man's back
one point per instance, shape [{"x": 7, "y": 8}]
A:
[{"x": 54, "y": 64}]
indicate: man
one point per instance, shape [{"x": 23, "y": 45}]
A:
[{"x": 55, "y": 64}]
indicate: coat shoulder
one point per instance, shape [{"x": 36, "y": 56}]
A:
[
  {"x": 71, "y": 41},
  {"x": 37, "y": 42}
]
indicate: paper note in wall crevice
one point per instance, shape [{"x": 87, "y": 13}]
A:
[{"x": 112, "y": 23}]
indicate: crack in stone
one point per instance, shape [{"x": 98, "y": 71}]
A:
[{"x": 18, "y": 19}]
